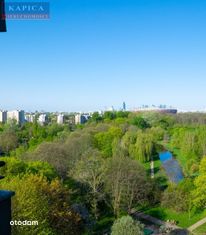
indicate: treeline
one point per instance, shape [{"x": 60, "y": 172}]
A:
[
  {"x": 189, "y": 193},
  {"x": 191, "y": 142},
  {"x": 19, "y": 138}
]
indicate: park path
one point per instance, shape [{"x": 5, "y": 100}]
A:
[
  {"x": 141, "y": 215},
  {"x": 152, "y": 168},
  {"x": 196, "y": 225}
]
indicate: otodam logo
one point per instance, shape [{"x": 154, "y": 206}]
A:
[{"x": 27, "y": 10}]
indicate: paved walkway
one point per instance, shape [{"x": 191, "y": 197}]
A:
[
  {"x": 141, "y": 215},
  {"x": 152, "y": 168},
  {"x": 196, "y": 225}
]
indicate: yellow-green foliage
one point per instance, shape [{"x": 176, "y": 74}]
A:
[
  {"x": 200, "y": 184},
  {"x": 16, "y": 167},
  {"x": 104, "y": 140},
  {"x": 38, "y": 200},
  {"x": 126, "y": 225}
]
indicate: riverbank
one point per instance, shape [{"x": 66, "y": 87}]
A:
[
  {"x": 159, "y": 172},
  {"x": 165, "y": 214},
  {"x": 164, "y": 167},
  {"x": 178, "y": 156},
  {"x": 171, "y": 166}
]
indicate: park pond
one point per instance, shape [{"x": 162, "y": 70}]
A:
[{"x": 171, "y": 166}]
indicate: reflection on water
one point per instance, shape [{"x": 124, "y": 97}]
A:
[{"x": 171, "y": 166}]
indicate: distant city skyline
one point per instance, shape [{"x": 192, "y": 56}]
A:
[
  {"x": 96, "y": 54},
  {"x": 111, "y": 108}
]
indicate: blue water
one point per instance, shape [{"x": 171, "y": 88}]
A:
[
  {"x": 171, "y": 166},
  {"x": 164, "y": 156}
]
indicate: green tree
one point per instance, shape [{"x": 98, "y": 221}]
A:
[
  {"x": 36, "y": 199},
  {"x": 8, "y": 141},
  {"x": 104, "y": 140},
  {"x": 109, "y": 115},
  {"x": 143, "y": 148},
  {"x": 126, "y": 183},
  {"x": 16, "y": 167},
  {"x": 29, "y": 203},
  {"x": 96, "y": 117},
  {"x": 90, "y": 171},
  {"x": 54, "y": 153},
  {"x": 200, "y": 186},
  {"x": 181, "y": 193},
  {"x": 140, "y": 122},
  {"x": 122, "y": 114},
  {"x": 62, "y": 219},
  {"x": 127, "y": 226}
]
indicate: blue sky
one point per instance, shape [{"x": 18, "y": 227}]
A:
[{"x": 93, "y": 54}]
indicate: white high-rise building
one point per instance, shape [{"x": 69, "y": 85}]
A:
[
  {"x": 60, "y": 119},
  {"x": 81, "y": 118},
  {"x": 3, "y": 116},
  {"x": 42, "y": 119},
  {"x": 30, "y": 117},
  {"x": 16, "y": 115}
]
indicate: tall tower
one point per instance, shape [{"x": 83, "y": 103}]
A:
[{"x": 124, "y": 106}]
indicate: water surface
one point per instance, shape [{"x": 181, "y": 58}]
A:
[{"x": 171, "y": 166}]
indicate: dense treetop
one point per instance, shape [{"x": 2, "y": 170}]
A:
[{"x": 77, "y": 177}]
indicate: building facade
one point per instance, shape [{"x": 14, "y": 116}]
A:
[
  {"x": 3, "y": 116},
  {"x": 42, "y": 119},
  {"x": 80, "y": 119},
  {"x": 60, "y": 119},
  {"x": 30, "y": 118},
  {"x": 16, "y": 115}
]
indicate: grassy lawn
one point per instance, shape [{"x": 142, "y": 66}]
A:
[
  {"x": 181, "y": 218},
  {"x": 159, "y": 172},
  {"x": 201, "y": 230},
  {"x": 104, "y": 224},
  {"x": 147, "y": 167},
  {"x": 157, "y": 166}
]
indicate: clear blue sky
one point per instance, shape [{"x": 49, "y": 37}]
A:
[{"x": 97, "y": 53}]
